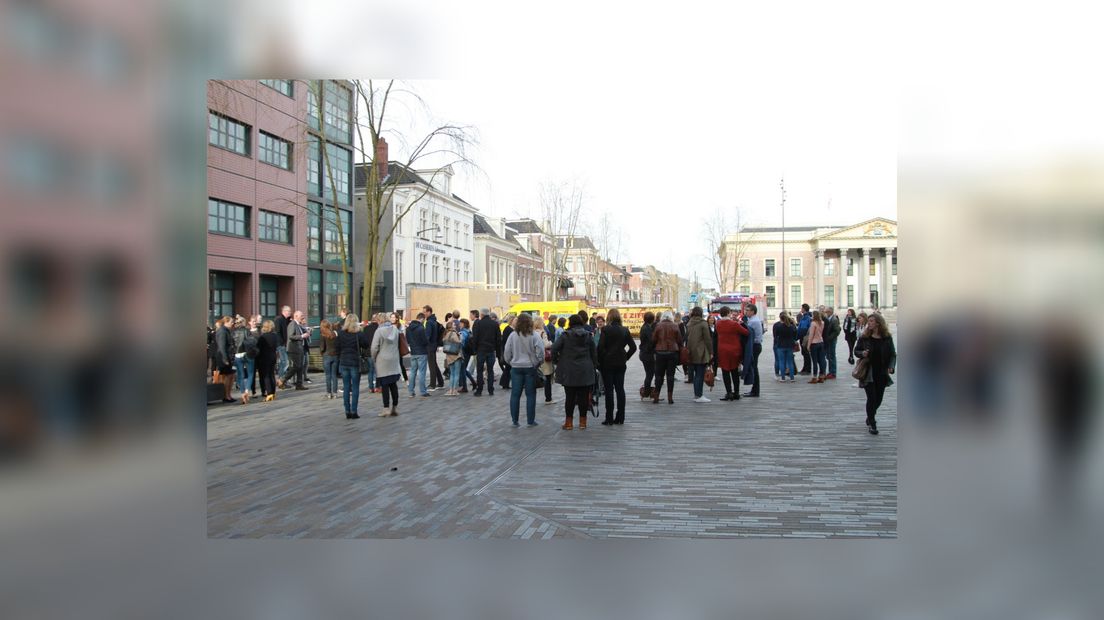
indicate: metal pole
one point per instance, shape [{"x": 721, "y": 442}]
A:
[{"x": 782, "y": 184}]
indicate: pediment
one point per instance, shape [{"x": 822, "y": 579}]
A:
[{"x": 876, "y": 228}]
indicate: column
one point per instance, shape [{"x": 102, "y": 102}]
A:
[
  {"x": 841, "y": 285},
  {"x": 862, "y": 300},
  {"x": 886, "y": 296},
  {"x": 818, "y": 296}
]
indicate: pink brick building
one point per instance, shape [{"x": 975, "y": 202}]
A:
[{"x": 272, "y": 231}]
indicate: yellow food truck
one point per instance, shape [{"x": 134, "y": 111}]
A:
[{"x": 632, "y": 315}]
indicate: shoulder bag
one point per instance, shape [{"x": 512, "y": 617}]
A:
[{"x": 862, "y": 369}]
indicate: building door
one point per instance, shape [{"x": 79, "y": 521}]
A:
[{"x": 221, "y": 301}]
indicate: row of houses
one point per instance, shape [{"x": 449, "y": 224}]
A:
[{"x": 279, "y": 232}]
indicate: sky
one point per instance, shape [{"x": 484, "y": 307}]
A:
[{"x": 664, "y": 125}]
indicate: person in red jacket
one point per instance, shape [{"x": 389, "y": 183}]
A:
[{"x": 730, "y": 351}]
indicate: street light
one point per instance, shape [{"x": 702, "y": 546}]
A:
[{"x": 435, "y": 228}]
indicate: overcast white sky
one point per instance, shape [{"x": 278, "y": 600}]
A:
[{"x": 665, "y": 116}]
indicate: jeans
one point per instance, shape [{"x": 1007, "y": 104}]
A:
[
  {"x": 245, "y": 366},
  {"x": 370, "y": 364},
  {"x": 523, "y": 379},
  {"x": 484, "y": 360},
  {"x": 778, "y": 362},
  {"x": 329, "y": 364},
  {"x": 756, "y": 350},
  {"x": 830, "y": 352},
  {"x": 665, "y": 368},
  {"x": 786, "y": 355},
  {"x": 820, "y": 361},
  {"x": 456, "y": 370},
  {"x": 649, "y": 370},
  {"x": 281, "y": 360},
  {"x": 350, "y": 377},
  {"x": 614, "y": 380},
  {"x": 699, "y": 379},
  {"x": 464, "y": 373},
  {"x": 417, "y": 374}
]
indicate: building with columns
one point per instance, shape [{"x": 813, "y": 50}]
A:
[{"x": 842, "y": 266}]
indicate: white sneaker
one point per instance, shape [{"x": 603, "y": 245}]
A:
[
  {"x": 386, "y": 412},
  {"x": 701, "y": 399}
]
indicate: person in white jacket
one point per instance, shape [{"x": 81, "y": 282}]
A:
[{"x": 385, "y": 355}]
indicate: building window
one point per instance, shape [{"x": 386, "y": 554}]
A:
[
  {"x": 314, "y": 168},
  {"x": 273, "y": 227},
  {"x": 467, "y": 235},
  {"x": 336, "y": 103},
  {"x": 281, "y": 86},
  {"x": 340, "y": 162},
  {"x": 227, "y": 133},
  {"x": 312, "y": 104},
  {"x": 830, "y": 267},
  {"x": 330, "y": 237},
  {"x": 314, "y": 295},
  {"x": 227, "y": 218},
  {"x": 436, "y": 269},
  {"x": 423, "y": 222},
  {"x": 268, "y": 297},
  {"x": 795, "y": 267},
  {"x": 467, "y": 271},
  {"x": 456, "y": 271},
  {"x": 745, "y": 267},
  {"x": 222, "y": 295},
  {"x": 850, "y": 296},
  {"x": 314, "y": 232},
  {"x": 399, "y": 271},
  {"x": 436, "y": 225},
  {"x": 769, "y": 271},
  {"x": 335, "y": 299},
  {"x": 850, "y": 266},
  {"x": 274, "y": 151},
  {"x": 873, "y": 266},
  {"x": 770, "y": 296},
  {"x": 894, "y": 268},
  {"x": 795, "y": 295},
  {"x": 447, "y": 264},
  {"x": 745, "y": 289},
  {"x": 873, "y": 294},
  {"x": 448, "y": 231},
  {"x": 894, "y": 295},
  {"x": 830, "y": 295},
  {"x": 423, "y": 267}
]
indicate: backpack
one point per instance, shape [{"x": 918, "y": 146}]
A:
[{"x": 249, "y": 346}]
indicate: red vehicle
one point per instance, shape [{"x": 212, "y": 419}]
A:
[{"x": 737, "y": 302}]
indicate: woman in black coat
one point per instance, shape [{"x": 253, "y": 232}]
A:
[
  {"x": 266, "y": 359},
  {"x": 576, "y": 357},
  {"x": 615, "y": 347},
  {"x": 349, "y": 343},
  {"x": 876, "y": 347}
]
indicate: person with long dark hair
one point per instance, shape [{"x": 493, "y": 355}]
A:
[
  {"x": 816, "y": 348},
  {"x": 850, "y": 333},
  {"x": 615, "y": 347},
  {"x": 646, "y": 355},
  {"x": 667, "y": 338},
  {"x": 328, "y": 348},
  {"x": 547, "y": 368},
  {"x": 785, "y": 337},
  {"x": 576, "y": 357},
  {"x": 876, "y": 347},
  {"x": 700, "y": 342}
]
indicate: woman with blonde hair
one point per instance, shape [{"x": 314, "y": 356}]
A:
[
  {"x": 348, "y": 344},
  {"x": 451, "y": 345},
  {"x": 267, "y": 355}
]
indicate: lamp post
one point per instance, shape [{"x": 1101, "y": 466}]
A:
[{"x": 782, "y": 185}]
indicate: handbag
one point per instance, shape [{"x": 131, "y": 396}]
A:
[
  {"x": 684, "y": 356},
  {"x": 796, "y": 348},
  {"x": 548, "y": 355},
  {"x": 451, "y": 347},
  {"x": 862, "y": 369},
  {"x": 540, "y": 381},
  {"x": 404, "y": 349},
  {"x": 709, "y": 378}
]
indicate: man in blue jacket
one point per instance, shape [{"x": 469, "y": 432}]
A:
[
  {"x": 804, "y": 320},
  {"x": 416, "y": 340}
]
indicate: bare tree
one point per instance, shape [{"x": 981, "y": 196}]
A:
[
  {"x": 444, "y": 144},
  {"x": 725, "y": 265},
  {"x": 561, "y": 204}
]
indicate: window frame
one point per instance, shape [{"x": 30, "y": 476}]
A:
[
  {"x": 246, "y": 220},
  {"x": 261, "y": 149},
  {"x": 288, "y": 83},
  {"x": 262, "y": 226},
  {"x": 770, "y": 268},
  {"x": 247, "y": 137},
  {"x": 800, "y": 266}
]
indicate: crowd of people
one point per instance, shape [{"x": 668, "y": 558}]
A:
[{"x": 586, "y": 355}]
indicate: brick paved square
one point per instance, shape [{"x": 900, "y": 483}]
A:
[{"x": 795, "y": 463}]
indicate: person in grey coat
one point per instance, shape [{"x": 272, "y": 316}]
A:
[
  {"x": 575, "y": 357},
  {"x": 385, "y": 356},
  {"x": 295, "y": 350}
]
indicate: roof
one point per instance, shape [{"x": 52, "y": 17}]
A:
[
  {"x": 580, "y": 242},
  {"x": 525, "y": 226},
  {"x": 409, "y": 177},
  {"x": 481, "y": 227},
  {"x": 784, "y": 229}
]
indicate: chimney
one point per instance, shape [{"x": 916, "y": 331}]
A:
[{"x": 381, "y": 157}]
